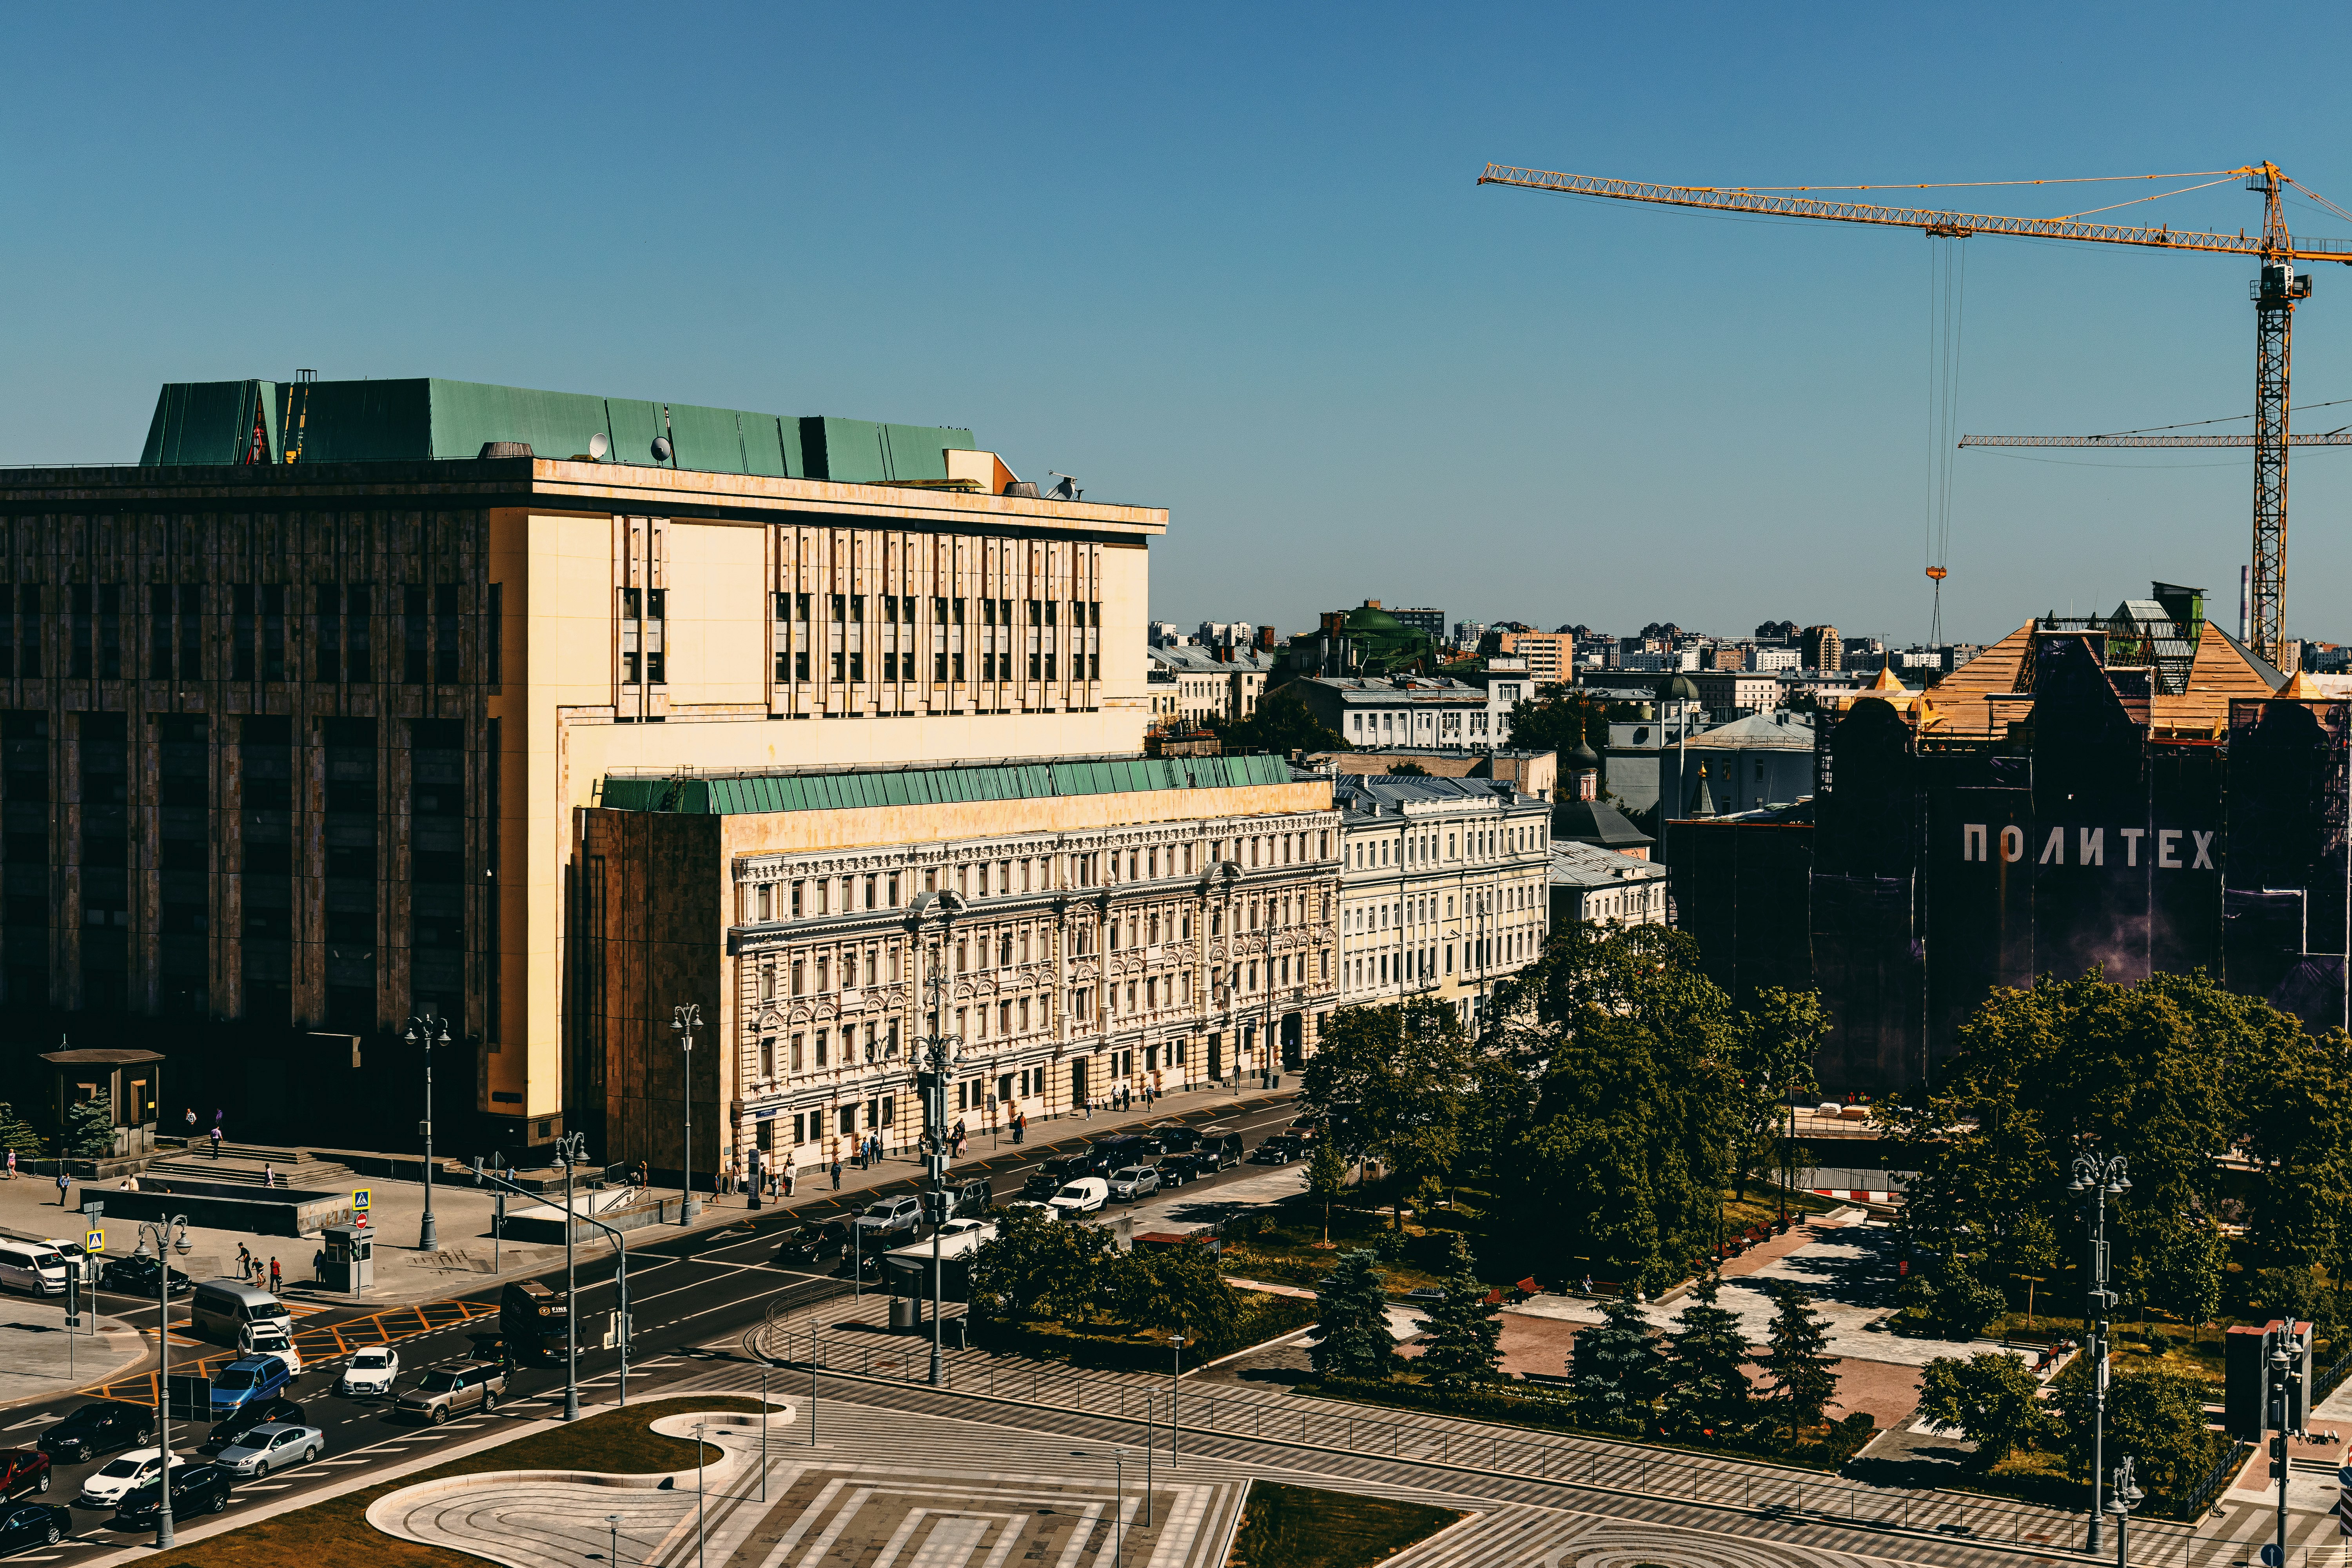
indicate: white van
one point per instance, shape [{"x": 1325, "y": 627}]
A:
[
  {"x": 1086, "y": 1195},
  {"x": 221, "y": 1309},
  {"x": 269, "y": 1338},
  {"x": 35, "y": 1267}
]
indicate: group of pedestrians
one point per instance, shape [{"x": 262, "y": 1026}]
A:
[{"x": 249, "y": 1269}]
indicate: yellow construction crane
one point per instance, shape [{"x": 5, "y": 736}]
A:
[{"x": 2275, "y": 291}]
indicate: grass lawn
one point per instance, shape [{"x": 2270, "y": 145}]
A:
[
  {"x": 1300, "y": 1527},
  {"x": 336, "y": 1530}
]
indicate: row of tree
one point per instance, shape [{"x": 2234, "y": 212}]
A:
[
  {"x": 2157, "y": 1416},
  {"x": 1615, "y": 1092},
  {"x": 1040, "y": 1271}
]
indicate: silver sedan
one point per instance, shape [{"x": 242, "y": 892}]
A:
[{"x": 273, "y": 1446}]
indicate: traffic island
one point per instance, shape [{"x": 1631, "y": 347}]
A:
[{"x": 619, "y": 1444}]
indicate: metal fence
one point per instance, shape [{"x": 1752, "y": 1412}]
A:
[{"x": 1755, "y": 1488}]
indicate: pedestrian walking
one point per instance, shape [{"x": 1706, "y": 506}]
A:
[
  {"x": 12, "y": 1165},
  {"x": 268, "y": 1175},
  {"x": 276, "y": 1283},
  {"x": 63, "y": 1181},
  {"x": 836, "y": 1175},
  {"x": 216, "y": 1140},
  {"x": 319, "y": 1265},
  {"x": 192, "y": 1121},
  {"x": 789, "y": 1162},
  {"x": 244, "y": 1262}
]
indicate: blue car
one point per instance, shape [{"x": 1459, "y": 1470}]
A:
[{"x": 245, "y": 1380}]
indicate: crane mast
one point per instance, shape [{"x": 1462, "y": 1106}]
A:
[{"x": 2275, "y": 289}]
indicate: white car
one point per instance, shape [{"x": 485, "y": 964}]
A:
[
  {"x": 370, "y": 1373},
  {"x": 1134, "y": 1182},
  {"x": 1036, "y": 1210},
  {"x": 105, "y": 1487},
  {"x": 1085, "y": 1195},
  {"x": 270, "y": 1339},
  {"x": 272, "y": 1446}
]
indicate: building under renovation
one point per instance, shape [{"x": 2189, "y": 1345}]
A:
[{"x": 2135, "y": 793}]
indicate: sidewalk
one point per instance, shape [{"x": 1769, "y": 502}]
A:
[
  {"x": 462, "y": 1263},
  {"x": 37, "y": 1361}
]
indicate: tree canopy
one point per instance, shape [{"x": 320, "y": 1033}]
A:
[{"x": 1283, "y": 723}]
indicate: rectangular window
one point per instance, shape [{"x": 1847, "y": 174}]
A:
[
  {"x": 820, "y": 1047},
  {"x": 327, "y": 632},
  {"x": 109, "y": 631},
  {"x": 1049, "y": 666},
  {"x": 836, "y": 664},
  {"x": 656, "y": 667},
  {"x": 159, "y": 632},
  {"x": 938, "y": 612},
  {"x": 958, "y": 658},
  {"x": 241, "y": 629},
  {"x": 495, "y": 634},
  {"x": 273, "y": 631},
  {"x": 856, "y": 666},
  {"x": 767, "y": 1056},
  {"x": 857, "y": 607},
  {"x": 446, "y": 628},
  {"x": 1035, "y": 666},
  {"x": 414, "y": 664},
  {"x": 798, "y": 1043},
  {"x": 29, "y": 630},
  {"x": 359, "y": 615},
  {"x": 940, "y": 667},
  {"x": 840, "y": 608},
  {"x": 800, "y": 606}
]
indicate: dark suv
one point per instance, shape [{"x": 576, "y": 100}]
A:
[
  {"x": 96, "y": 1429},
  {"x": 1058, "y": 1171},
  {"x": 196, "y": 1489}
]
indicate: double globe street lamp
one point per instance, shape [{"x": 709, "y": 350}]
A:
[
  {"x": 166, "y": 1243},
  {"x": 2102, "y": 1176}
]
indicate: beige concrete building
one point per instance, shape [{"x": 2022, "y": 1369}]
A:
[
  {"x": 303, "y": 716},
  {"x": 1210, "y": 685}
]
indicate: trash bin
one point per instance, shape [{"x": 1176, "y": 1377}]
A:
[{"x": 902, "y": 1312}]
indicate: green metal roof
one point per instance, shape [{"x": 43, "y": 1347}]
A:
[
  {"x": 212, "y": 422},
  {"x": 742, "y": 793}
]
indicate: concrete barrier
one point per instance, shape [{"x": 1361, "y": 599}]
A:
[{"x": 227, "y": 1205}]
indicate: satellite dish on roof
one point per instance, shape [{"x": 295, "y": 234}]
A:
[
  {"x": 661, "y": 448},
  {"x": 598, "y": 446}
]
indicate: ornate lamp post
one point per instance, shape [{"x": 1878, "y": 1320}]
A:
[
  {"x": 684, "y": 1021},
  {"x": 941, "y": 1051},
  {"x": 2102, "y": 1176},
  {"x": 166, "y": 1245},
  {"x": 428, "y": 1029}
]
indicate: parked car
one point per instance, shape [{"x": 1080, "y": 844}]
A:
[
  {"x": 196, "y": 1488},
  {"x": 24, "y": 1472},
  {"x": 273, "y": 1447},
  {"x": 1176, "y": 1137},
  {"x": 1085, "y": 1195},
  {"x": 98, "y": 1428},
  {"x": 112, "y": 1481},
  {"x": 1426, "y": 1295},
  {"x": 453, "y": 1391},
  {"x": 1198, "y": 1166},
  {"x": 1224, "y": 1143},
  {"x": 1034, "y": 1209},
  {"x": 370, "y": 1373},
  {"x": 247, "y": 1380},
  {"x": 968, "y": 1198},
  {"x": 136, "y": 1276},
  {"x": 33, "y": 1268},
  {"x": 1133, "y": 1182},
  {"x": 888, "y": 1217},
  {"x": 811, "y": 1240},
  {"x": 1118, "y": 1151},
  {"x": 261, "y": 1413},
  {"x": 1278, "y": 1149},
  {"x": 35, "y": 1524}
]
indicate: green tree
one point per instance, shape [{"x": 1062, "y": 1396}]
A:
[
  {"x": 1611, "y": 1079},
  {"x": 1397, "y": 1080},
  {"x": 2178, "y": 1268},
  {"x": 89, "y": 1130},
  {"x": 1408, "y": 770},
  {"x": 1176, "y": 1289},
  {"x": 16, "y": 1132},
  {"x": 1327, "y": 1177},
  {"x": 1991, "y": 1397},
  {"x": 1707, "y": 1368},
  {"x": 1351, "y": 1334},
  {"x": 1462, "y": 1328},
  {"x": 2297, "y": 1120},
  {"x": 1282, "y": 725},
  {"x": 1779, "y": 1039},
  {"x": 1798, "y": 1369},
  {"x": 1559, "y": 719},
  {"x": 2157, "y": 1416},
  {"x": 1617, "y": 1368},
  {"x": 1039, "y": 1268}
]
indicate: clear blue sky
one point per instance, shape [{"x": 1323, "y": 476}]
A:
[{"x": 1233, "y": 262}]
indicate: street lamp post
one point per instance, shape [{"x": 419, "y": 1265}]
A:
[
  {"x": 1175, "y": 1344},
  {"x": 429, "y": 1029},
  {"x": 613, "y": 1523},
  {"x": 166, "y": 1245},
  {"x": 684, "y": 1021},
  {"x": 2282, "y": 1383},
  {"x": 941, "y": 1051},
  {"x": 2125, "y": 1497},
  {"x": 2103, "y": 1176},
  {"x": 1118, "y": 1496}
]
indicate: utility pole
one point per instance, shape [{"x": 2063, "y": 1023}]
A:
[
  {"x": 941, "y": 1051},
  {"x": 2103, "y": 1176},
  {"x": 2125, "y": 1497},
  {"x": 2283, "y": 1407}
]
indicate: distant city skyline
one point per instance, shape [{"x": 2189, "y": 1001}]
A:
[{"x": 1234, "y": 262}]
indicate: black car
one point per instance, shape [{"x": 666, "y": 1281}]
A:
[
  {"x": 1178, "y": 1139},
  {"x": 811, "y": 1240},
  {"x": 33, "y": 1524},
  {"x": 1065, "y": 1168},
  {"x": 1120, "y": 1149},
  {"x": 966, "y": 1199},
  {"x": 98, "y": 1428},
  {"x": 245, "y": 1418},
  {"x": 1041, "y": 1186},
  {"x": 136, "y": 1276},
  {"x": 1279, "y": 1150},
  {"x": 196, "y": 1489},
  {"x": 1198, "y": 1166}
]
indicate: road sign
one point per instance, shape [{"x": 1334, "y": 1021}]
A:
[
  {"x": 94, "y": 1242},
  {"x": 360, "y": 1196},
  {"x": 2272, "y": 1556}
]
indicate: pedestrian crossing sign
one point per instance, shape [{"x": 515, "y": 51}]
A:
[
  {"x": 360, "y": 1196},
  {"x": 95, "y": 1242}
]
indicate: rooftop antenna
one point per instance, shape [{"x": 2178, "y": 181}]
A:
[
  {"x": 1067, "y": 490},
  {"x": 598, "y": 446}
]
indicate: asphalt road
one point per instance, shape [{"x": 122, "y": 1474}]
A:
[{"x": 683, "y": 1293}]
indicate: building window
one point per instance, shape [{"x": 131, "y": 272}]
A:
[{"x": 767, "y": 1056}]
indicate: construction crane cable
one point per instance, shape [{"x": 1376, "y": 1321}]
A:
[
  {"x": 2184, "y": 190},
  {"x": 1973, "y": 185}
]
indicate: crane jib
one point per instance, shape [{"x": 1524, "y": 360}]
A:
[{"x": 1933, "y": 220}]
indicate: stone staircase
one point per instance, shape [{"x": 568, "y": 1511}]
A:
[{"x": 244, "y": 1164}]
